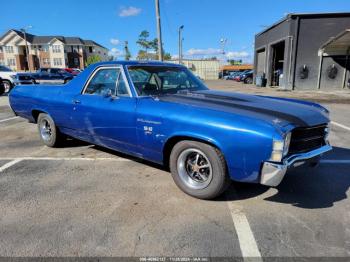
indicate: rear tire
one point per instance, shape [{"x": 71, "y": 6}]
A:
[
  {"x": 199, "y": 169},
  {"x": 49, "y": 133}
]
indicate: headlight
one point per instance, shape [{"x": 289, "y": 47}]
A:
[
  {"x": 13, "y": 76},
  {"x": 280, "y": 148},
  {"x": 326, "y": 131}
]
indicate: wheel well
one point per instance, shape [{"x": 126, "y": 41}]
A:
[
  {"x": 35, "y": 114},
  {"x": 176, "y": 139}
]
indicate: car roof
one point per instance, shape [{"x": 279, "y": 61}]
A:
[{"x": 137, "y": 63}]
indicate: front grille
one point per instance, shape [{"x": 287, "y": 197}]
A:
[{"x": 305, "y": 139}]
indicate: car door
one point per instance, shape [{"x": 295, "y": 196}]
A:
[
  {"x": 104, "y": 113},
  {"x": 55, "y": 75},
  {"x": 43, "y": 75}
]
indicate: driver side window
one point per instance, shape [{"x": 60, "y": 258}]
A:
[{"x": 103, "y": 82}]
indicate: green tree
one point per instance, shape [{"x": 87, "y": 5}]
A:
[
  {"x": 147, "y": 45},
  {"x": 167, "y": 56},
  {"x": 154, "y": 44},
  {"x": 93, "y": 59},
  {"x": 143, "y": 40}
]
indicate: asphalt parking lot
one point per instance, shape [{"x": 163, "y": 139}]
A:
[{"x": 83, "y": 200}]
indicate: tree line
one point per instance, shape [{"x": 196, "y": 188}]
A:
[{"x": 148, "y": 50}]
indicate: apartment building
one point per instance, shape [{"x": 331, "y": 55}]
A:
[{"x": 46, "y": 51}]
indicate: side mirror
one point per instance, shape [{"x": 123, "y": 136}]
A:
[{"x": 108, "y": 94}]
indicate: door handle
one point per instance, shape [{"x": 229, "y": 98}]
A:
[{"x": 76, "y": 102}]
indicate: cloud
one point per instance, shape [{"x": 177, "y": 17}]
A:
[
  {"x": 204, "y": 52},
  {"x": 115, "y": 52},
  {"x": 216, "y": 51},
  {"x": 237, "y": 55},
  {"x": 114, "y": 41},
  {"x": 129, "y": 11}
]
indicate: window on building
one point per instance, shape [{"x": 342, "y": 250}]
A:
[
  {"x": 57, "y": 61},
  {"x": 2, "y": 62},
  {"x": 11, "y": 62},
  {"x": 46, "y": 61},
  {"x": 90, "y": 49},
  {"x": 76, "y": 61},
  {"x": 75, "y": 49},
  {"x": 0, "y": 49},
  {"x": 45, "y": 48},
  {"x": 56, "y": 49},
  {"x": 8, "y": 49}
]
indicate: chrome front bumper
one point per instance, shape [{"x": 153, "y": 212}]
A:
[{"x": 273, "y": 173}]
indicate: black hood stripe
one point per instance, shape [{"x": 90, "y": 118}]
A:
[{"x": 223, "y": 102}]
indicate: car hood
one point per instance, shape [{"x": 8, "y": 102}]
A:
[
  {"x": 277, "y": 111},
  {"x": 7, "y": 74}
]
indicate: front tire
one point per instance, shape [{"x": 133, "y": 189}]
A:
[
  {"x": 248, "y": 80},
  {"x": 8, "y": 85},
  {"x": 49, "y": 134},
  {"x": 2, "y": 89},
  {"x": 199, "y": 169}
]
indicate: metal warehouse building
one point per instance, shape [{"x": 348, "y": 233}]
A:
[{"x": 305, "y": 51}]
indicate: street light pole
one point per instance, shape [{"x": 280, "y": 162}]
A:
[
  {"x": 223, "y": 42},
  {"x": 159, "y": 32},
  {"x": 180, "y": 44}
]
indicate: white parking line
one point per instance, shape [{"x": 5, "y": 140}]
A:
[
  {"x": 8, "y": 119},
  {"x": 340, "y": 125},
  {"x": 9, "y": 164},
  {"x": 67, "y": 158},
  {"x": 247, "y": 243},
  {"x": 334, "y": 161}
]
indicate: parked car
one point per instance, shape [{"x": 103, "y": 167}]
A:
[
  {"x": 2, "y": 87},
  {"x": 232, "y": 75},
  {"x": 237, "y": 77},
  {"x": 24, "y": 79},
  {"x": 53, "y": 75},
  {"x": 73, "y": 71},
  {"x": 226, "y": 77},
  {"x": 163, "y": 113},
  {"x": 247, "y": 77},
  {"x": 7, "y": 76}
]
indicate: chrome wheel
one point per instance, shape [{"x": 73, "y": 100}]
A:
[
  {"x": 7, "y": 86},
  {"x": 45, "y": 130},
  {"x": 194, "y": 168}
]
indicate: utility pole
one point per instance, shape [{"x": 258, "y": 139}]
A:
[
  {"x": 180, "y": 44},
  {"x": 223, "y": 42},
  {"x": 159, "y": 32},
  {"x": 27, "y": 50},
  {"x": 126, "y": 51}
]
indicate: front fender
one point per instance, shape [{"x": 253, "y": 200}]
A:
[{"x": 244, "y": 150}]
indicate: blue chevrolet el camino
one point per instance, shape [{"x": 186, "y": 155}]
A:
[{"x": 163, "y": 113}]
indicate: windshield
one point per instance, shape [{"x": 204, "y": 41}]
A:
[{"x": 158, "y": 80}]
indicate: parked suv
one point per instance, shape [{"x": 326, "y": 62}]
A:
[
  {"x": 56, "y": 75},
  {"x": 8, "y": 77}
]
